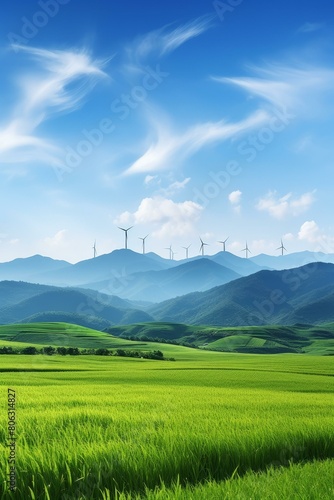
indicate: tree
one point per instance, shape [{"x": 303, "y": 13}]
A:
[
  {"x": 49, "y": 350},
  {"x": 29, "y": 350}
]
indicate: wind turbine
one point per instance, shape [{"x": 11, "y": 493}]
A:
[
  {"x": 143, "y": 240},
  {"x": 126, "y": 234},
  {"x": 173, "y": 253},
  {"x": 282, "y": 248},
  {"x": 201, "y": 249},
  {"x": 246, "y": 249},
  {"x": 224, "y": 244},
  {"x": 170, "y": 251},
  {"x": 94, "y": 249},
  {"x": 187, "y": 250}
]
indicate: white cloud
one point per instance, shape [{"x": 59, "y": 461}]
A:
[
  {"x": 281, "y": 86},
  {"x": 57, "y": 240},
  {"x": 167, "y": 217},
  {"x": 59, "y": 82},
  {"x": 288, "y": 236},
  {"x": 174, "y": 187},
  {"x": 165, "y": 40},
  {"x": 285, "y": 205},
  {"x": 309, "y": 231},
  {"x": 149, "y": 179},
  {"x": 235, "y": 199},
  {"x": 171, "y": 147}
]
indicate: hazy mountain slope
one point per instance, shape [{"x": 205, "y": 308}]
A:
[
  {"x": 267, "y": 297},
  {"x": 288, "y": 261},
  {"x": 240, "y": 265},
  {"x": 113, "y": 267},
  {"x": 12, "y": 292},
  {"x": 155, "y": 286},
  {"x": 67, "y": 301},
  {"x": 27, "y": 268}
]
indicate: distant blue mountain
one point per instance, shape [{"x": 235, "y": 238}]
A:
[
  {"x": 299, "y": 295},
  {"x": 27, "y": 268},
  {"x": 114, "y": 267},
  {"x": 43, "y": 301},
  {"x": 288, "y": 261},
  {"x": 154, "y": 286},
  {"x": 240, "y": 265}
]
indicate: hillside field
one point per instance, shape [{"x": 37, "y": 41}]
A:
[
  {"x": 268, "y": 339},
  {"x": 208, "y": 425}
]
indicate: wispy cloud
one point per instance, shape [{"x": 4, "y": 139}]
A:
[
  {"x": 59, "y": 83},
  {"x": 287, "y": 205},
  {"x": 310, "y": 27},
  {"x": 170, "y": 147},
  {"x": 165, "y": 40},
  {"x": 284, "y": 85}
]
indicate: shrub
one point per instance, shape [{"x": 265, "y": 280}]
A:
[{"x": 29, "y": 350}]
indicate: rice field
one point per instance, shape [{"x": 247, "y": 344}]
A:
[{"x": 209, "y": 425}]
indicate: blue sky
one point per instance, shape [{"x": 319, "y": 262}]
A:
[{"x": 183, "y": 119}]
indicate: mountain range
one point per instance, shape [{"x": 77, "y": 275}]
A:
[
  {"x": 149, "y": 277},
  {"x": 26, "y": 302},
  {"x": 299, "y": 295}
]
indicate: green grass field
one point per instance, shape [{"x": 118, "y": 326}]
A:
[{"x": 209, "y": 425}]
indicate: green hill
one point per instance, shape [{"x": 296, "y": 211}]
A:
[
  {"x": 301, "y": 295},
  {"x": 269, "y": 339}
]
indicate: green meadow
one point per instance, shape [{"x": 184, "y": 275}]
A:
[{"x": 209, "y": 425}]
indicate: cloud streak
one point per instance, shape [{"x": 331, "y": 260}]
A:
[
  {"x": 283, "y": 85},
  {"x": 169, "y": 147},
  {"x": 59, "y": 83},
  {"x": 165, "y": 40}
]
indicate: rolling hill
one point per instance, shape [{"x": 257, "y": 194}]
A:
[{"x": 251, "y": 339}]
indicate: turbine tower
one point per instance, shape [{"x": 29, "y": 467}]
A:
[
  {"x": 126, "y": 234},
  {"x": 246, "y": 249},
  {"x": 282, "y": 248},
  {"x": 224, "y": 244},
  {"x": 170, "y": 251},
  {"x": 143, "y": 240},
  {"x": 187, "y": 250},
  {"x": 94, "y": 249},
  {"x": 201, "y": 249},
  {"x": 173, "y": 253}
]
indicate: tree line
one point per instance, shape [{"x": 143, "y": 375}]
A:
[{"x": 75, "y": 351}]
